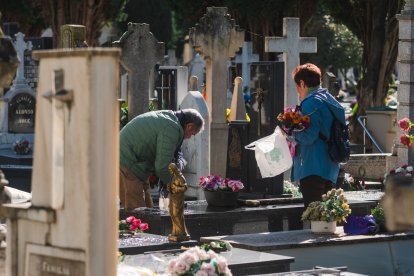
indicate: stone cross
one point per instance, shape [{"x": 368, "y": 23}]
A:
[
  {"x": 141, "y": 51},
  {"x": 21, "y": 47},
  {"x": 238, "y": 107},
  {"x": 291, "y": 44},
  {"x": 219, "y": 39},
  {"x": 245, "y": 59}
]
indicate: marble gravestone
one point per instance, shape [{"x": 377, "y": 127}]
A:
[
  {"x": 219, "y": 38},
  {"x": 245, "y": 59},
  {"x": 141, "y": 51},
  {"x": 291, "y": 44},
  {"x": 196, "y": 149},
  {"x": 75, "y": 178}
]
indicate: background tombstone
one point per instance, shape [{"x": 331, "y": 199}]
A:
[
  {"x": 196, "y": 149},
  {"x": 171, "y": 86},
  {"x": 197, "y": 67},
  {"x": 140, "y": 52},
  {"x": 17, "y": 121},
  {"x": 267, "y": 101},
  {"x": 219, "y": 39},
  {"x": 245, "y": 59},
  {"x": 291, "y": 44},
  {"x": 237, "y": 156},
  {"x": 75, "y": 184},
  {"x": 72, "y": 36}
]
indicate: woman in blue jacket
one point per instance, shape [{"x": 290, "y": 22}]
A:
[{"x": 312, "y": 166}]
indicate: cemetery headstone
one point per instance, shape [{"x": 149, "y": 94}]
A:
[
  {"x": 72, "y": 36},
  {"x": 245, "y": 58},
  {"x": 219, "y": 39},
  {"x": 291, "y": 44},
  {"x": 171, "y": 86},
  {"x": 74, "y": 183},
  {"x": 237, "y": 156},
  {"x": 196, "y": 150},
  {"x": 197, "y": 67},
  {"x": 267, "y": 100},
  {"x": 17, "y": 122},
  {"x": 141, "y": 51}
]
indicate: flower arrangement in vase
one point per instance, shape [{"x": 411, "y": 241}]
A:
[
  {"x": 403, "y": 174},
  {"x": 331, "y": 209},
  {"x": 131, "y": 225},
  {"x": 220, "y": 191},
  {"x": 197, "y": 261}
]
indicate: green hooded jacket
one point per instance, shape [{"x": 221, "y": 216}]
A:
[{"x": 148, "y": 143}]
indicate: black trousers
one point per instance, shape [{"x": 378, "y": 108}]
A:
[{"x": 313, "y": 187}]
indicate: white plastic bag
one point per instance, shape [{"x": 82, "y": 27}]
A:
[{"x": 272, "y": 154}]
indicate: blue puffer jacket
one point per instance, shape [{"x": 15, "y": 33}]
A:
[
  {"x": 311, "y": 152},
  {"x": 148, "y": 143}
]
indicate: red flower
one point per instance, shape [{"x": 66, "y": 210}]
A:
[
  {"x": 406, "y": 140},
  {"x": 405, "y": 124},
  {"x": 143, "y": 226}
]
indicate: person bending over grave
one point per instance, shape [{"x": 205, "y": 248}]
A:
[
  {"x": 312, "y": 165},
  {"x": 148, "y": 144}
]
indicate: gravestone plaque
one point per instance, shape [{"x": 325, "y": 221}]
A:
[
  {"x": 267, "y": 101},
  {"x": 49, "y": 261},
  {"x": 31, "y": 65},
  {"x": 22, "y": 113}
]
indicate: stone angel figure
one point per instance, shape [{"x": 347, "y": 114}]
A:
[{"x": 177, "y": 187}]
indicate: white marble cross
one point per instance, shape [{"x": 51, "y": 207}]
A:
[
  {"x": 245, "y": 59},
  {"x": 291, "y": 44},
  {"x": 21, "y": 46}
]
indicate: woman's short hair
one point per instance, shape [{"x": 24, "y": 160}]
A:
[{"x": 309, "y": 73}]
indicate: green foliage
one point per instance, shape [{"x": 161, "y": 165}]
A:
[
  {"x": 124, "y": 114},
  {"x": 378, "y": 214},
  {"x": 338, "y": 46}
]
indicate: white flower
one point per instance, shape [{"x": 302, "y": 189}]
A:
[
  {"x": 398, "y": 170},
  {"x": 409, "y": 168}
]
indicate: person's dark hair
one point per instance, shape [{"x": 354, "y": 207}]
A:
[
  {"x": 309, "y": 73},
  {"x": 190, "y": 115}
]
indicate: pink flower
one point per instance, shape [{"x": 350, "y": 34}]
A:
[
  {"x": 405, "y": 124},
  {"x": 208, "y": 268},
  {"x": 200, "y": 273},
  {"x": 181, "y": 267},
  {"x": 137, "y": 221},
  {"x": 406, "y": 140},
  {"x": 221, "y": 264},
  {"x": 189, "y": 258},
  {"x": 130, "y": 219},
  {"x": 143, "y": 226}
]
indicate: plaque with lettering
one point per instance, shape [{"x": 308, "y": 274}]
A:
[
  {"x": 53, "y": 261},
  {"x": 21, "y": 115}
]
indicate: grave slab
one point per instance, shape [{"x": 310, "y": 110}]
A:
[
  {"x": 379, "y": 254},
  {"x": 143, "y": 242},
  {"x": 204, "y": 220},
  {"x": 240, "y": 261}
]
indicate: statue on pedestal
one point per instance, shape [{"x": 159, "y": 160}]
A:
[{"x": 176, "y": 188}]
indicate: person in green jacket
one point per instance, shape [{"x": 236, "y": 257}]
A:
[{"x": 148, "y": 144}]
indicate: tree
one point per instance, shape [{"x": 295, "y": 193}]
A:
[
  {"x": 374, "y": 22},
  {"x": 93, "y": 14}
]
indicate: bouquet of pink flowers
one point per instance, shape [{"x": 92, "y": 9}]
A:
[
  {"x": 215, "y": 183},
  {"x": 406, "y": 138},
  {"x": 196, "y": 261},
  {"x": 132, "y": 224}
]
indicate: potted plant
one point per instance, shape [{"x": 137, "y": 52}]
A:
[
  {"x": 220, "y": 191},
  {"x": 326, "y": 213}
]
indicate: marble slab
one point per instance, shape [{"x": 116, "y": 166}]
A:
[
  {"x": 240, "y": 261},
  {"x": 143, "y": 242}
]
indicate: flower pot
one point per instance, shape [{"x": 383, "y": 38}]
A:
[
  {"x": 323, "y": 226},
  {"x": 221, "y": 198}
]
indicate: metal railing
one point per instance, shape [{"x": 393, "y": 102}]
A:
[{"x": 362, "y": 121}]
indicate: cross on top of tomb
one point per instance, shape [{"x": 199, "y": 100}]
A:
[
  {"x": 21, "y": 46},
  {"x": 291, "y": 44},
  {"x": 245, "y": 59}
]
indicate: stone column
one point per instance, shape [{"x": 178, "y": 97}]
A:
[
  {"x": 219, "y": 39},
  {"x": 406, "y": 77}
]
